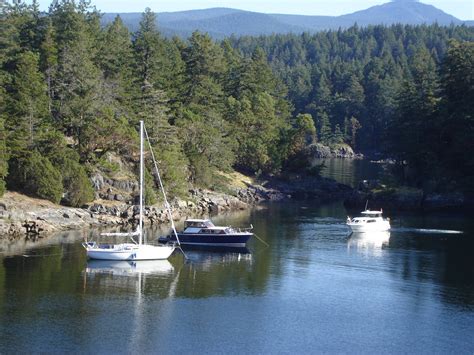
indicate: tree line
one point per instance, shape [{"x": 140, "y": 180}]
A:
[
  {"x": 73, "y": 91},
  {"x": 403, "y": 91}
]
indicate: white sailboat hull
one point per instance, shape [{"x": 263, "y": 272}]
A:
[{"x": 128, "y": 251}]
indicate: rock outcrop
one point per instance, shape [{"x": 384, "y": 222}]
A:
[
  {"x": 21, "y": 215},
  {"x": 19, "y": 212},
  {"x": 344, "y": 151},
  {"x": 404, "y": 199}
]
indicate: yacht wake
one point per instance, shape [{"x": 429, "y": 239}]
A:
[{"x": 425, "y": 231}]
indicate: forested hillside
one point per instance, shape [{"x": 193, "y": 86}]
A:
[
  {"x": 220, "y": 23},
  {"x": 73, "y": 92},
  {"x": 406, "y": 91}
]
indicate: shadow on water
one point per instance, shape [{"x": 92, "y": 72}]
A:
[
  {"x": 350, "y": 171},
  {"x": 420, "y": 286}
]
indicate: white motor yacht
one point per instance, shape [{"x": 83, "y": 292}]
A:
[{"x": 369, "y": 221}]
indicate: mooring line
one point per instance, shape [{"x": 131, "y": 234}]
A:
[{"x": 256, "y": 236}]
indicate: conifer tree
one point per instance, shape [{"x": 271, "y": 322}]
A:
[
  {"x": 148, "y": 47},
  {"x": 3, "y": 157},
  {"x": 27, "y": 105},
  {"x": 325, "y": 135},
  {"x": 49, "y": 61},
  {"x": 78, "y": 81},
  {"x": 457, "y": 110},
  {"x": 115, "y": 55}
]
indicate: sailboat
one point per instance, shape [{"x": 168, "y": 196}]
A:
[{"x": 137, "y": 250}]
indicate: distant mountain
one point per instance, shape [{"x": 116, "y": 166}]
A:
[
  {"x": 229, "y": 22},
  {"x": 406, "y": 12},
  {"x": 218, "y": 22},
  {"x": 224, "y": 22}
]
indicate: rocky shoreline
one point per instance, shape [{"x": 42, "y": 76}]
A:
[
  {"x": 340, "y": 151},
  {"x": 407, "y": 199},
  {"x": 21, "y": 215}
]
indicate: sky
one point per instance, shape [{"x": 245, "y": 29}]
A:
[{"x": 462, "y": 9}]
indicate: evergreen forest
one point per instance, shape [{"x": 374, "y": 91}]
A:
[{"x": 73, "y": 91}]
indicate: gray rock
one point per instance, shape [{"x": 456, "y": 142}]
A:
[
  {"x": 319, "y": 150},
  {"x": 97, "y": 181}
]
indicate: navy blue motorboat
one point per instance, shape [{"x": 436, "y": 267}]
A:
[{"x": 203, "y": 232}]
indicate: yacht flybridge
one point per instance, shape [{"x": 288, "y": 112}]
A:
[
  {"x": 137, "y": 250},
  {"x": 369, "y": 221}
]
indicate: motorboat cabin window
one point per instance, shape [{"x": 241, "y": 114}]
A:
[{"x": 199, "y": 224}]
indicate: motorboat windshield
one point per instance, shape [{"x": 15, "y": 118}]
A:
[
  {"x": 198, "y": 223},
  {"x": 372, "y": 214}
]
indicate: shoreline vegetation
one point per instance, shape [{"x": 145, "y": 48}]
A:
[
  {"x": 19, "y": 212},
  {"x": 73, "y": 91}
]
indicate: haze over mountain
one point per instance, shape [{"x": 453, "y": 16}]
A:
[{"x": 224, "y": 22}]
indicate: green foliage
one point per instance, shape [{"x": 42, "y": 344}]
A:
[
  {"x": 325, "y": 135},
  {"x": 78, "y": 187},
  {"x": 108, "y": 166},
  {"x": 352, "y": 73},
  {"x": 354, "y": 127},
  {"x": 150, "y": 194},
  {"x": 413, "y": 125},
  {"x": 173, "y": 165},
  {"x": 201, "y": 173},
  {"x": 27, "y": 104},
  {"x": 106, "y": 133},
  {"x": 381, "y": 89},
  {"x": 73, "y": 91},
  {"x": 37, "y": 176},
  {"x": 457, "y": 112},
  {"x": 77, "y": 81},
  {"x": 3, "y": 158},
  {"x": 301, "y": 136},
  {"x": 338, "y": 136}
]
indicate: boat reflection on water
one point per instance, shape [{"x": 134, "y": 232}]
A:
[
  {"x": 139, "y": 278},
  {"x": 158, "y": 276},
  {"x": 215, "y": 250},
  {"x": 204, "y": 272},
  {"x": 206, "y": 258},
  {"x": 124, "y": 268},
  {"x": 369, "y": 242}
]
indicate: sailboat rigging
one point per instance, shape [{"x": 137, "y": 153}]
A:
[{"x": 136, "y": 250}]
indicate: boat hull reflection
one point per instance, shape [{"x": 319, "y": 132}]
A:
[
  {"x": 369, "y": 241},
  {"x": 217, "y": 250},
  {"x": 129, "y": 267}
]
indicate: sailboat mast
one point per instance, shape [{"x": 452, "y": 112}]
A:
[
  {"x": 167, "y": 205},
  {"x": 140, "y": 227}
]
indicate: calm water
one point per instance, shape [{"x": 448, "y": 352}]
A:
[
  {"x": 350, "y": 171},
  {"x": 314, "y": 289}
]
